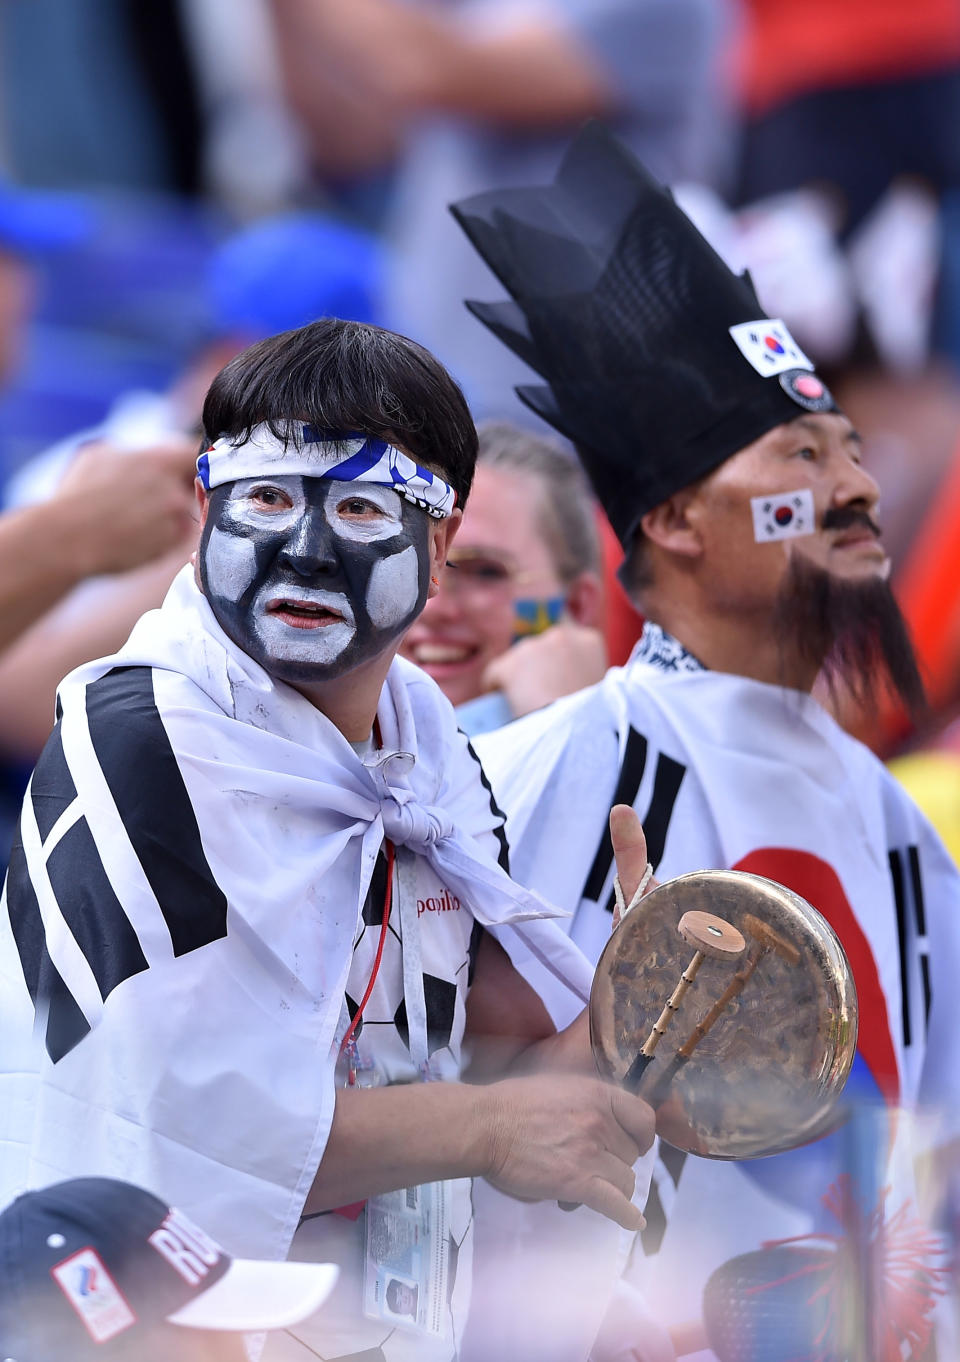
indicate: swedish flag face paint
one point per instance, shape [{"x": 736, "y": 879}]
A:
[{"x": 536, "y": 616}]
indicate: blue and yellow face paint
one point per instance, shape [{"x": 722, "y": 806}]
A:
[{"x": 532, "y": 617}]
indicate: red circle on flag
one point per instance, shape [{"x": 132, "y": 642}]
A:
[
  {"x": 773, "y": 344},
  {"x": 783, "y": 515},
  {"x": 818, "y": 882}
]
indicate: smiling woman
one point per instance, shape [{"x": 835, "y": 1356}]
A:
[{"x": 526, "y": 559}]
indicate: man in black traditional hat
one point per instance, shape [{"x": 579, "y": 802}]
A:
[{"x": 753, "y": 549}]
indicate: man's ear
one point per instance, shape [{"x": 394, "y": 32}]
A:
[
  {"x": 585, "y": 600},
  {"x": 672, "y": 527},
  {"x": 442, "y": 534},
  {"x": 203, "y": 500}
]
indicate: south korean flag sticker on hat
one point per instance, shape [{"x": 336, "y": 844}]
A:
[
  {"x": 783, "y": 517},
  {"x": 768, "y": 346}
]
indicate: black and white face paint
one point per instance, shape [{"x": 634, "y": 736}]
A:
[{"x": 312, "y": 576}]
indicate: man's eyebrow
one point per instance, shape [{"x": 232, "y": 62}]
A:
[
  {"x": 805, "y": 424},
  {"x": 815, "y": 429}
]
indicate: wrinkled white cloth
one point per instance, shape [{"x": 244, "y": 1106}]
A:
[
  {"x": 732, "y": 773},
  {"x": 205, "y": 1070}
]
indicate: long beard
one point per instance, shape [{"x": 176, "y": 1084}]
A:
[{"x": 854, "y": 632}]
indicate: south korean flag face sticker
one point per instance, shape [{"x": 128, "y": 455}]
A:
[
  {"x": 768, "y": 346},
  {"x": 786, "y": 516}
]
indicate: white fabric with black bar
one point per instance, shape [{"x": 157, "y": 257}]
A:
[
  {"x": 727, "y": 772},
  {"x": 181, "y": 911}
]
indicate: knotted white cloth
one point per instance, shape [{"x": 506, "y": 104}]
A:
[{"x": 206, "y": 1073}]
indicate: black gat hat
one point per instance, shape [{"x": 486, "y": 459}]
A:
[{"x": 658, "y": 361}]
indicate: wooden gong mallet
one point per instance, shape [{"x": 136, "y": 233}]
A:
[
  {"x": 713, "y": 938},
  {"x": 792, "y": 1039},
  {"x": 764, "y": 940}
]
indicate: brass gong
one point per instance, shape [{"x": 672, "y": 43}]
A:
[{"x": 728, "y": 1003}]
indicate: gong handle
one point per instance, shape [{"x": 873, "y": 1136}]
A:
[
  {"x": 658, "y": 1092},
  {"x": 735, "y": 987},
  {"x": 672, "y": 1004},
  {"x": 642, "y": 1061},
  {"x": 634, "y": 1075}
]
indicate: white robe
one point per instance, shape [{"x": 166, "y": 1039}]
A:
[
  {"x": 196, "y": 848},
  {"x": 727, "y": 772}
]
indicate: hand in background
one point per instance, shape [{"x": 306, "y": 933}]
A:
[
  {"x": 123, "y": 518},
  {"x": 536, "y": 671},
  {"x": 123, "y": 508}
]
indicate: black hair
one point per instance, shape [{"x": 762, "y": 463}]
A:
[
  {"x": 636, "y": 573},
  {"x": 349, "y": 376}
]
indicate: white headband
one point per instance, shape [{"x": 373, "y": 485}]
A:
[{"x": 312, "y": 453}]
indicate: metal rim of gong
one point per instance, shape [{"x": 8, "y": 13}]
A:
[{"x": 767, "y": 1073}]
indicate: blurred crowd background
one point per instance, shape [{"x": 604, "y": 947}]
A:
[{"x": 181, "y": 177}]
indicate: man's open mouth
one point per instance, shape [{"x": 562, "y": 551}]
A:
[{"x": 304, "y": 614}]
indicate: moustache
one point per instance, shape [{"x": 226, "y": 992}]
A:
[{"x": 849, "y": 517}]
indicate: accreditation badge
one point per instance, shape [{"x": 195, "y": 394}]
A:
[{"x": 407, "y": 1259}]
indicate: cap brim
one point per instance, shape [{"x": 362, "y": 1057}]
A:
[{"x": 259, "y": 1295}]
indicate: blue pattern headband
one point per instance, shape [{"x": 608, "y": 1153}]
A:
[{"x": 345, "y": 457}]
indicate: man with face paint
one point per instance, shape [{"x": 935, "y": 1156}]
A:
[
  {"x": 266, "y": 545},
  {"x": 243, "y": 944},
  {"x": 752, "y": 548}
]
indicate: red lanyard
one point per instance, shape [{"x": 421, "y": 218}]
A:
[
  {"x": 387, "y": 901},
  {"x": 353, "y": 1211}
]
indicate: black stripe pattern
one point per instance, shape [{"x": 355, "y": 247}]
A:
[
  {"x": 141, "y": 771},
  {"x": 628, "y": 784},
  {"x": 499, "y": 830},
  {"x": 503, "y": 852},
  {"x": 66, "y": 1025},
  {"x": 92, "y": 910},
  {"x": 52, "y": 788},
  {"x": 912, "y": 944},
  {"x": 666, "y": 1176},
  {"x": 667, "y": 779}
]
